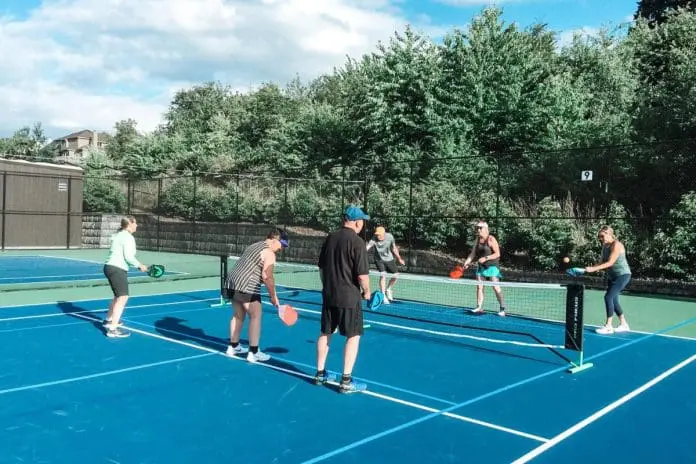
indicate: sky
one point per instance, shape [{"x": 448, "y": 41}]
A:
[{"x": 86, "y": 64}]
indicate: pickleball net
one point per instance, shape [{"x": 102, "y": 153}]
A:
[{"x": 537, "y": 315}]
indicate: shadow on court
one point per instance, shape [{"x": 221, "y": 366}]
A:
[
  {"x": 94, "y": 317},
  {"x": 175, "y": 328}
]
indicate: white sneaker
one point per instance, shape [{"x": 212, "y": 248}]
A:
[
  {"x": 477, "y": 310},
  {"x": 501, "y": 313},
  {"x": 235, "y": 351},
  {"x": 622, "y": 328},
  {"x": 605, "y": 330},
  {"x": 389, "y": 294},
  {"x": 257, "y": 357}
]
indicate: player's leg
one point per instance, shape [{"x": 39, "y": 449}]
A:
[
  {"x": 236, "y": 325},
  {"x": 328, "y": 325},
  {"x": 382, "y": 279},
  {"x": 351, "y": 327},
  {"x": 609, "y": 306},
  {"x": 498, "y": 292},
  {"x": 621, "y": 283},
  {"x": 391, "y": 269},
  {"x": 255, "y": 314},
  {"x": 479, "y": 294},
  {"x": 118, "y": 280}
]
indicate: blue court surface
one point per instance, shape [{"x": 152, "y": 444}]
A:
[
  {"x": 35, "y": 269},
  {"x": 169, "y": 394}
]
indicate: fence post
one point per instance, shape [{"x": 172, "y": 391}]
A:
[
  {"x": 129, "y": 187},
  {"x": 410, "y": 217},
  {"x": 195, "y": 210},
  {"x": 159, "y": 212},
  {"x": 68, "y": 214},
  {"x": 4, "y": 206},
  {"x": 236, "y": 216}
]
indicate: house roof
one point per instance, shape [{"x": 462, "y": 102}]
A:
[{"x": 85, "y": 134}]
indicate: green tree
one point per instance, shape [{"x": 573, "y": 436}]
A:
[{"x": 656, "y": 11}]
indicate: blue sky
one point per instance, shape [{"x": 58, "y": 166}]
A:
[{"x": 75, "y": 64}]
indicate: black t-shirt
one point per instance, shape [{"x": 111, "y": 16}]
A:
[{"x": 342, "y": 259}]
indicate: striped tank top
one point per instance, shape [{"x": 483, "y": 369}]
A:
[
  {"x": 620, "y": 267},
  {"x": 246, "y": 275}
]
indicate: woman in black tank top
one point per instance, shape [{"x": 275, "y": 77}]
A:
[{"x": 486, "y": 253}]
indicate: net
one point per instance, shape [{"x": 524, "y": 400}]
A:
[
  {"x": 537, "y": 316},
  {"x": 51, "y": 269}
]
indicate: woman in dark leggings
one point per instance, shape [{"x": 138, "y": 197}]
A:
[{"x": 618, "y": 277}]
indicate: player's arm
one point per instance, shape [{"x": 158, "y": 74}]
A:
[
  {"x": 617, "y": 249},
  {"x": 362, "y": 270},
  {"x": 370, "y": 244},
  {"x": 269, "y": 259},
  {"x": 395, "y": 250},
  {"x": 129, "y": 254},
  {"x": 470, "y": 258}
]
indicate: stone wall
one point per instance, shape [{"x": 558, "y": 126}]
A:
[
  {"x": 175, "y": 236},
  {"x": 97, "y": 228}
]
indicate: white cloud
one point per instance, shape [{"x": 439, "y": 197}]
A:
[
  {"x": 565, "y": 38},
  {"x": 75, "y": 64}
]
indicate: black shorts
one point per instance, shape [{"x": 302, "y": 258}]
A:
[
  {"x": 388, "y": 266},
  {"x": 242, "y": 297},
  {"x": 118, "y": 279},
  {"x": 349, "y": 321}
]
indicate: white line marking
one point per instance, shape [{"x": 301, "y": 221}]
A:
[
  {"x": 302, "y": 374},
  {"x": 601, "y": 413},
  {"x": 148, "y": 295},
  {"x": 458, "y": 417},
  {"x": 87, "y": 311},
  {"x": 99, "y": 374},
  {"x": 71, "y": 259}
]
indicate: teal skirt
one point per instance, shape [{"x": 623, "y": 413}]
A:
[{"x": 488, "y": 272}]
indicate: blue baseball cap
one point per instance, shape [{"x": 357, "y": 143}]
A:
[
  {"x": 353, "y": 213},
  {"x": 284, "y": 242}
]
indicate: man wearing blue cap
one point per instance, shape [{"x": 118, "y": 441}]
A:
[
  {"x": 243, "y": 288},
  {"x": 344, "y": 274}
]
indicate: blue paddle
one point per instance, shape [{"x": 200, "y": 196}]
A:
[
  {"x": 575, "y": 271},
  {"x": 375, "y": 301}
]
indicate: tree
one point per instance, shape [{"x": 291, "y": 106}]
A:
[{"x": 656, "y": 11}]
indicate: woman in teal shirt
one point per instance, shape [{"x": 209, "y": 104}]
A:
[
  {"x": 618, "y": 277},
  {"x": 121, "y": 258}
]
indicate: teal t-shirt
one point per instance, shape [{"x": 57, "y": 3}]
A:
[
  {"x": 122, "y": 251},
  {"x": 620, "y": 267}
]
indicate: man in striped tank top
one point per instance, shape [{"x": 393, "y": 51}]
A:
[
  {"x": 618, "y": 277},
  {"x": 243, "y": 288}
]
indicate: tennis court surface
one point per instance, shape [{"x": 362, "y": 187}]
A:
[{"x": 494, "y": 390}]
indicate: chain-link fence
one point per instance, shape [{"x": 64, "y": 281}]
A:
[{"x": 540, "y": 210}]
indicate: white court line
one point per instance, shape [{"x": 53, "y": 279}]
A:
[
  {"x": 87, "y": 311},
  {"x": 302, "y": 374},
  {"x": 148, "y": 295},
  {"x": 679, "y": 337},
  {"x": 100, "y": 374},
  {"x": 71, "y": 259},
  {"x": 35, "y": 279},
  {"x": 601, "y": 413},
  {"x": 459, "y": 417}
]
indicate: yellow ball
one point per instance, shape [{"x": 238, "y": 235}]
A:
[{"x": 566, "y": 260}]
